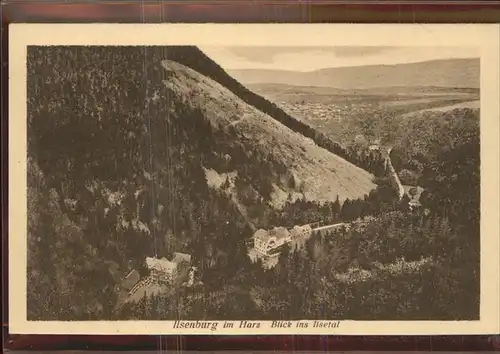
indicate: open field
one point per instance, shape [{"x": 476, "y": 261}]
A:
[
  {"x": 468, "y": 104},
  {"x": 340, "y": 113},
  {"x": 391, "y": 97}
]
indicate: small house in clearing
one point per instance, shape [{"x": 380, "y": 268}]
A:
[
  {"x": 414, "y": 193},
  {"x": 162, "y": 275},
  {"x": 161, "y": 268},
  {"x": 167, "y": 270}
]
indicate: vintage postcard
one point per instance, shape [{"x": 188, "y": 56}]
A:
[{"x": 254, "y": 179}]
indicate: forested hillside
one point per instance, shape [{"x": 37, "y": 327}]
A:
[
  {"x": 97, "y": 209},
  {"x": 439, "y": 277},
  {"x": 393, "y": 263},
  {"x": 125, "y": 146},
  {"x": 118, "y": 143}
]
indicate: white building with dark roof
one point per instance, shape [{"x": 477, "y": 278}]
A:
[
  {"x": 300, "y": 231},
  {"x": 161, "y": 267},
  {"x": 414, "y": 193},
  {"x": 267, "y": 241}
]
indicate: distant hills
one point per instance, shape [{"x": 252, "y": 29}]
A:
[{"x": 456, "y": 73}]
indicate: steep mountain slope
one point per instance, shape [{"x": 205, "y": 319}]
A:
[
  {"x": 461, "y": 73},
  {"x": 194, "y": 58},
  {"x": 319, "y": 174}
]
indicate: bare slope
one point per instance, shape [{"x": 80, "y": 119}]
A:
[
  {"x": 318, "y": 174},
  {"x": 460, "y": 73}
]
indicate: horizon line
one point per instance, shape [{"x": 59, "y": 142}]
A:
[{"x": 350, "y": 66}]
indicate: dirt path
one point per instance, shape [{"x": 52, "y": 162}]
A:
[{"x": 393, "y": 174}]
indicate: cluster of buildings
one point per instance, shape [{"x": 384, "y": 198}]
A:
[
  {"x": 270, "y": 242},
  {"x": 162, "y": 273},
  {"x": 162, "y": 268},
  {"x": 267, "y": 245}
]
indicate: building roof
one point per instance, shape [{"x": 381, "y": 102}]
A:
[
  {"x": 181, "y": 257},
  {"x": 161, "y": 265},
  {"x": 131, "y": 279},
  {"x": 279, "y": 233},
  {"x": 261, "y": 235},
  {"x": 415, "y": 199},
  {"x": 298, "y": 230}
]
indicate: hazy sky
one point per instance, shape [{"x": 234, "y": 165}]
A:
[{"x": 313, "y": 58}]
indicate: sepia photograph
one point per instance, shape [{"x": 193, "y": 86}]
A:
[{"x": 297, "y": 186}]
